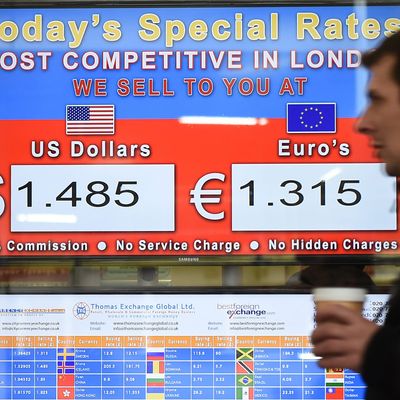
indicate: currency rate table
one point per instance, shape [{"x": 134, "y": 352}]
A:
[{"x": 168, "y": 367}]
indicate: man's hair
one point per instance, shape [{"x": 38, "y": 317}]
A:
[{"x": 390, "y": 46}]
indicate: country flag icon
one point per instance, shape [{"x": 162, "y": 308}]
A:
[
  {"x": 333, "y": 393},
  {"x": 244, "y": 354},
  {"x": 245, "y": 367},
  {"x": 155, "y": 355},
  {"x": 155, "y": 382},
  {"x": 311, "y": 117},
  {"x": 65, "y": 393},
  {"x": 155, "y": 367},
  {"x": 90, "y": 119},
  {"x": 65, "y": 380},
  {"x": 65, "y": 367},
  {"x": 244, "y": 380},
  {"x": 65, "y": 354},
  {"x": 244, "y": 393},
  {"x": 155, "y": 393},
  {"x": 334, "y": 380}
]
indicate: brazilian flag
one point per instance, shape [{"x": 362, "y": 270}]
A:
[{"x": 244, "y": 380}]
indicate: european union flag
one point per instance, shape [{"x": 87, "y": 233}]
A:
[{"x": 311, "y": 117}]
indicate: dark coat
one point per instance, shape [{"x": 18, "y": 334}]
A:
[{"x": 381, "y": 367}]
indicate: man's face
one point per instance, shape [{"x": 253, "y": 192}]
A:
[{"x": 381, "y": 119}]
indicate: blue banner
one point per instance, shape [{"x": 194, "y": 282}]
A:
[{"x": 174, "y": 62}]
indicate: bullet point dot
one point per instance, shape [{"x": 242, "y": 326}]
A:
[
  {"x": 254, "y": 245},
  {"x": 102, "y": 246}
]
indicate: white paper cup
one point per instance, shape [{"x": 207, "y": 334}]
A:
[{"x": 349, "y": 297}]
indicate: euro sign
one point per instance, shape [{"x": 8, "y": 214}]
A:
[{"x": 200, "y": 196}]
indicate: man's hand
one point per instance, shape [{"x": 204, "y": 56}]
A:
[{"x": 341, "y": 337}]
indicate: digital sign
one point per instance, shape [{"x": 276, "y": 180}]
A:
[
  {"x": 190, "y": 131},
  {"x": 175, "y": 346}
]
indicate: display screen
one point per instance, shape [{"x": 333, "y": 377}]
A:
[
  {"x": 167, "y": 346},
  {"x": 190, "y": 131}
]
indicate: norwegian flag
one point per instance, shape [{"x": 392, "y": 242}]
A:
[{"x": 90, "y": 120}]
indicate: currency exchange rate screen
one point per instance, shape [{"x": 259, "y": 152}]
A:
[
  {"x": 149, "y": 347},
  {"x": 190, "y": 132}
]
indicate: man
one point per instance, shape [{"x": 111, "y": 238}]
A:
[{"x": 342, "y": 337}]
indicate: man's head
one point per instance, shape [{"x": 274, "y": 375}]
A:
[{"x": 381, "y": 119}]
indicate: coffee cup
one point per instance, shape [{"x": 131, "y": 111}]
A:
[{"x": 352, "y": 298}]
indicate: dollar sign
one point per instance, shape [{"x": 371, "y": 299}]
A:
[{"x": 198, "y": 192}]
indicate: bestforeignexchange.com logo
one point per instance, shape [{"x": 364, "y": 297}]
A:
[{"x": 234, "y": 309}]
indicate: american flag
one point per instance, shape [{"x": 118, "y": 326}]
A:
[{"x": 90, "y": 120}]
